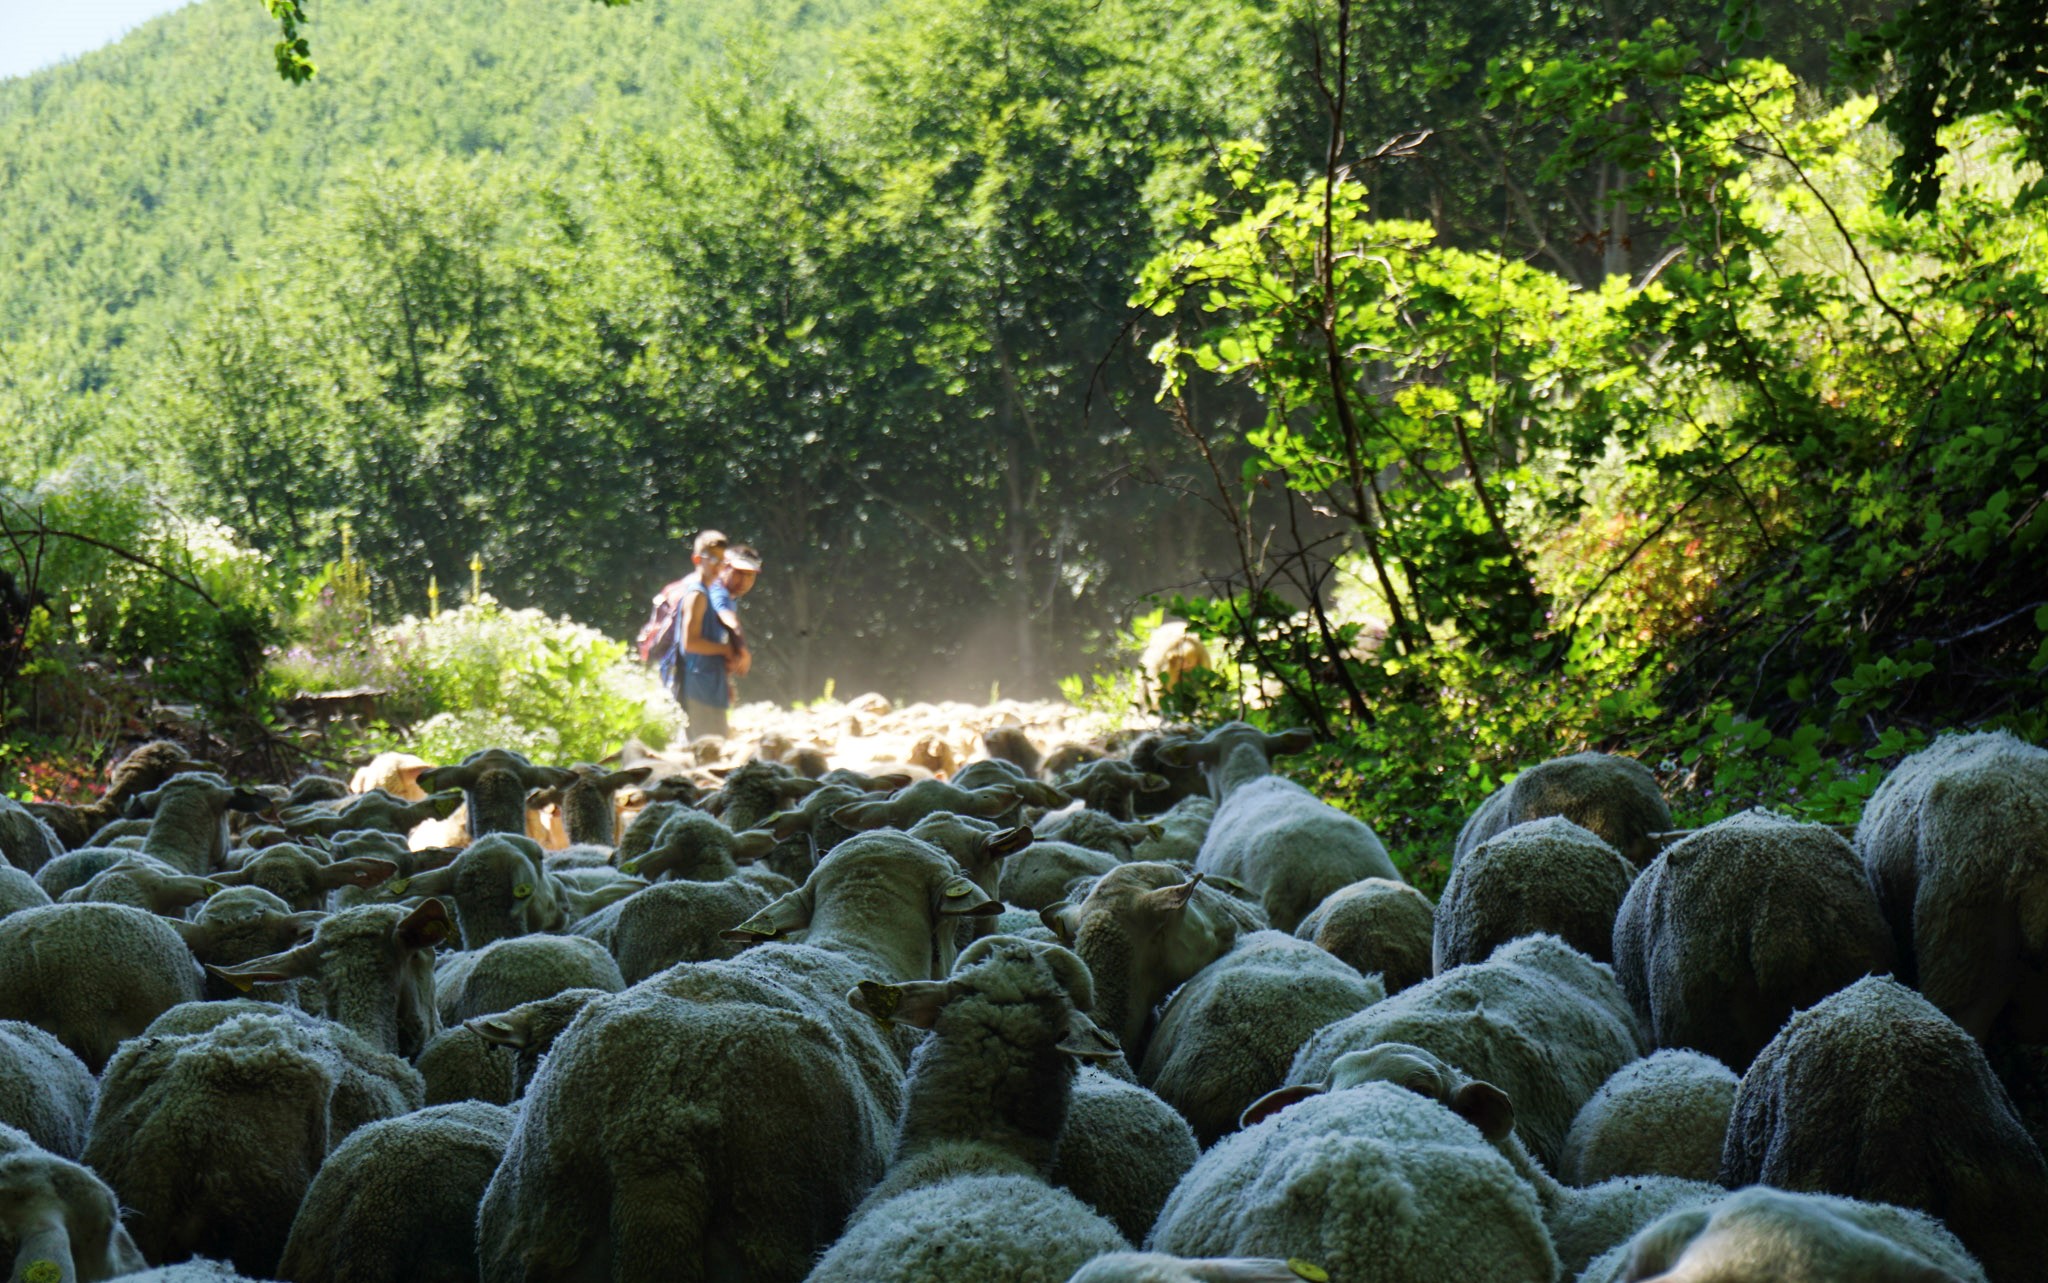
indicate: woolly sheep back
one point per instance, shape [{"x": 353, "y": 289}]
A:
[
  {"x": 1123, "y": 1150},
  {"x": 1734, "y": 928},
  {"x": 1380, "y": 926},
  {"x": 1663, "y": 1115},
  {"x": 19, "y": 891},
  {"x": 1543, "y": 876},
  {"x": 1007, "y": 1227},
  {"x": 1615, "y": 797},
  {"x": 92, "y": 974},
  {"x": 45, "y": 1091},
  {"x": 504, "y": 974}
]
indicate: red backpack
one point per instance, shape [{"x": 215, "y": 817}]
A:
[{"x": 654, "y": 634}]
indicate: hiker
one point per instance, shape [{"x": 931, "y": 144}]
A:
[
  {"x": 712, "y": 647},
  {"x": 657, "y": 636}
]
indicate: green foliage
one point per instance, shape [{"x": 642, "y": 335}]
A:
[{"x": 483, "y": 675}]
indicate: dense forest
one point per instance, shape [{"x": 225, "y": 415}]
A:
[{"x": 1487, "y": 378}]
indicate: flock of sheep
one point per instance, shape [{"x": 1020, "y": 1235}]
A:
[{"x": 1017, "y": 1024}]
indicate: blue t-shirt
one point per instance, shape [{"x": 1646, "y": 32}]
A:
[{"x": 704, "y": 676}]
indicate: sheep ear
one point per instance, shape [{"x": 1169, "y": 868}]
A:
[
  {"x": 1004, "y": 842},
  {"x": 796, "y": 788},
  {"x": 1153, "y": 783},
  {"x": 249, "y": 800},
  {"x": 862, "y": 815},
  {"x": 1274, "y": 1101},
  {"x": 1248, "y": 1269},
  {"x": 307, "y": 922},
  {"x": 425, "y": 926},
  {"x": 619, "y": 779},
  {"x": 431, "y": 882},
  {"x": 1296, "y": 740},
  {"x": 361, "y": 871},
  {"x": 543, "y": 797},
  {"x": 289, "y": 965},
  {"x": 1062, "y": 919},
  {"x": 436, "y": 778},
  {"x": 785, "y": 824},
  {"x": 445, "y": 803},
  {"x": 752, "y": 845},
  {"x": 499, "y": 1031},
  {"x": 914, "y": 1002},
  {"x": 791, "y": 912},
  {"x": 540, "y": 777},
  {"x": 1171, "y": 899},
  {"x": 890, "y": 783},
  {"x": 1087, "y": 1040},
  {"x": 960, "y": 898},
  {"x": 1486, "y": 1107}
]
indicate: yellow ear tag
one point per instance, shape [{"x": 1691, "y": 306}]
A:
[
  {"x": 398, "y": 885},
  {"x": 630, "y": 866},
  {"x": 882, "y": 1000},
  {"x": 523, "y": 890},
  {"x": 42, "y": 1272},
  {"x": 1303, "y": 1269},
  {"x": 955, "y": 891}
]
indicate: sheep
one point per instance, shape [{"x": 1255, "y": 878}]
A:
[
  {"x": 1380, "y": 927},
  {"x": 1290, "y": 847},
  {"x": 499, "y": 889},
  {"x": 92, "y": 974},
  {"x": 967, "y": 1192},
  {"x": 998, "y": 772},
  {"x": 604, "y": 1170},
  {"x": 1112, "y": 786},
  {"x": 370, "y": 969},
  {"x": 1123, "y": 1150},
  {"x": 188, "y": 828},
  {"x": 1539, "y": 1019},
  {"x": 1955, "y": 844},
  {"x": 396, "y": 773},
  {"x": 1144, "y": 930},
  {"x": 19, "y": 891},
  {"x": 506, "y": 973},
  {"x": 1546, "y": 875},
  {"x": 587, "y": 805},
  {"x": 398, "y": 1198},
  {"x": 1763, "y": 1235},
  {"x": 1370, "y": 1182},
  {"x": 304, "y": 878},
  {"x": 1096, "y": 831},
  {"x": 693, "y": 847},
  {"x": 1228, "y": 1036},
  {"x": 1664, "y": 1115},
  {"x": 1873, "y": 1093},
  {"x": 314, "y": 787},
  {"x": 529, "y": 1030},
  {"x": 494, "y": 784},
  {"x": 672, "y": 922},
  {"x": 45, "y": 1090},
  {"x": 1614, "y": 797},
  {"x": 142, "y": 770},
  {"x": 1182, "y": 829},
  {"x": 1582, "y": 1222},
  {"x": 374, "y": 810},
  {"x": 1065, "y": 757},
  {"x": 1171, "y": 653},
  {"x": 928, "y": 797},
  {"x": 460, "y": 1064},
  {"x": 58, "y": 1221},
  {"x": 1149, "y": 754},
  {"x": 26, "y": 842},
  {"x": 1734, "y": 928},
  {"x": 76, "y": 868},
  {"x": 212, "y": 1125},
  {"x": 146, "y": 884},
  {"x": 1040, "y": 875},
  {"x": 805, "y": 832},
  {"x": 1156, "y": 1267},
  {"x": 239, "y": 925},
  {"x": 756, "y": 790},
  {"x": 1010, "y": 744}
]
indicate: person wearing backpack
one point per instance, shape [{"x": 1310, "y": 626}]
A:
[
  {"x": 657, "y": 636},
  {"x": 709, "y": 642}
]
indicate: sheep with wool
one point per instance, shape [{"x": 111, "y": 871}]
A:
[
  {"x": 241, "y": 924},
  {"x": 1157, "y": 1267},
  {"x": 142, "y": 770},
  {"x": 756, "y": 790},
  {"x": 1547, "y": 876},
  {"x": 92, "y": 974},
  {"x": 1369, "y": 1182},
  {"x": 1123, "y": 1150},
  {"x": 460, "y": 1064},
  {"x": 59, "y": 1222},
  {"x": 930, "y": 797},
  {"x": 397, "y": 1199},
  {"x": 1112, "y": 786},
  {"x": 1955, "y": 844},
  {"x": 19, "y": 891},
  {"x": 1153, "y": 754},
  {"x": 1043, "y": 873},
  {"x": 806, "y": 831},
  {"x": 1288, "y": 846},
  {"x": 1096, "y": 830},
  {"x": 1740, "y": 924},
  {"x": 146, "y": 884},
  {"x": 374, "y": 810},
  {"x": 1764, "y": 1235},
  {"x": 76, "y": 868},
  {"x": 1381, "y": 927},
  {"x": 759, "y": 1069},
  {"x": 967, "y": 1193},
  {"x": 1874, "y": 1094},
  {"x": 1144, "y": 930},
  {"x": 45, "y": 1091},
  {"x": 188, "y": 820},
  {"x": 529, "y": 1030},
  {"x": 498, "y": 887},
  {"x": 588, "y": 806},
  {"x": 494, "y": 784},
  {"x": 304, "y": 877},
  {"x": 1228, "y": 1036},
  {"x": 1614, "y": 797},
  {"x": 212, "y": 1124},
  {"x": 506, "y": 973},
  {"x": 26, "y": 842},
  {"x": 693, "y": 847},
  {"x": 369, "y": 969},
  {"x": 1663, "y": 1115},
  {"x": 1539, "y": 1019},
  {"x": 671, "y": 922},
  {"x": 1182, "y": 829}
]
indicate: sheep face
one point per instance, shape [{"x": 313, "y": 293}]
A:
[
  {"x": 59, "y": 1218},
  {"x": 494, "y": 783},
  {"x": 1143, "y": 930}
]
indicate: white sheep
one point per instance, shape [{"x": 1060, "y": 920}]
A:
[
  {"x": 26, "y": 842},
  {"x": 303, "y": 877},
  {"x": 212, "y": 1125},
  {"x": 1182, "y": 829},
  {"x": 460, "y": 1064},
  {"x": 76, "y": 868},
  {"x": 1288, "y": 846},
  {"x": 506, "y": 973},
  {"x": 762, "y": 1070},
  {"x": 1664, "y": 1115},
  {"x": 967, "y": 1192},
  {"x": 494, "y": 784},
  {"x": 1543, "y": 876},
  {"x": 1740, "y": 924},
  {"x": 45, "y": 1091},
  {"x": 499, "y": 888},
  {"x": 188, "y": 827},
  {"x": 1874, "y": 1094},
  {"x": 1764, "y": 1235},
  {"x": 92, "y": 974},
  {"x": 1370, "y": 1182},
  {"x": 1955, "y": 844},
  {"x": 376, "y": 810},
  {"x": 1381, "y": 927},
  {"x": 1615, "y": 797},
  {"x": 1540, "y": 1020},
  {"x": 1123, "y": 1150},
  {"x": 59, "y": 1222},
  {"x": 1041, "y": 874},
  {"x": 1098, "y": 831},
  {"x": 19, "y": 891},
  {"x": 1157, "y": 1267},
  {"x": 1228, "y": 1036},
  {"x": 239, "y": 925},
  {"x": 397, "y": 1199},
  {"x": 141, "y": 770},
  {"x": 143, "y": 883}
]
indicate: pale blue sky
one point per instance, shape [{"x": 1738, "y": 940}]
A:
[{"x": 37, "y": 33}]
